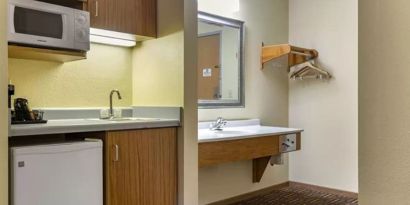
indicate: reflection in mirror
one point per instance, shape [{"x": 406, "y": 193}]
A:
[{"x": 220, "y": 50}]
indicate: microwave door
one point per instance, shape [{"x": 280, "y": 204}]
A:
[
  {"x": 39, "y": 27},
  {"x": 38, "y": 23}
]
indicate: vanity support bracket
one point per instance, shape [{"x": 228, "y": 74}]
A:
[
  {"x": 259, "y": 164},
  {"x": 258, "y": 168}
]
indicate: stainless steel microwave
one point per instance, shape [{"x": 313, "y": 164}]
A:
[{"x": 47, "y": 25}]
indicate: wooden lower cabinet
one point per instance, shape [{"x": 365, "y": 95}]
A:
[{"x": 141, "y": 167}]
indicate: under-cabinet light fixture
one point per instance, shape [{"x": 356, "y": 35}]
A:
[{"x": 112, "y": 38}]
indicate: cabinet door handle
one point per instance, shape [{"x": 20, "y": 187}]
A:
[
  {"x": 117, "y": 153},
  {"x": 96, "y": 8}
]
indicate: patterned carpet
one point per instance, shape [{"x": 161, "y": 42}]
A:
[{"x": 297, "y": 195}]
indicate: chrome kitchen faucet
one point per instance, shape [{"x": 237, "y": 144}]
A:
[{"x": 111, "y": 115}]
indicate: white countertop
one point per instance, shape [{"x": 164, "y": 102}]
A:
[
  {"x": 88, "y": 125},
  {"x": 242, "y": 129}
]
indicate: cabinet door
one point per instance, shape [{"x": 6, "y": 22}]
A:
[
  {"x": 141, "y": 167},
  {"x": 127, "y": 16},
  {"x": 99, "y": 14},
  {"x": 146, "y": 13}
]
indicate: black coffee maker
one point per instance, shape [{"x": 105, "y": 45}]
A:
[
  {"x": 11, "y": 93},
  {"x": 22, "y": 113},
  {"x": 22, "y": 110}
]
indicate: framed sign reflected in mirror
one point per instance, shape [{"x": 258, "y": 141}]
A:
[{"x": 220, "y": 61}]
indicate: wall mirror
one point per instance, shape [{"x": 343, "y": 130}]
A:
[{"x": 220, "y": 61}]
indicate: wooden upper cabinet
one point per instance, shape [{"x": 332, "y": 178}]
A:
[
  {"x": 137, "y": 17},
  {"x": 141, "y": 167},
  {"x": 77, "y": 4}
]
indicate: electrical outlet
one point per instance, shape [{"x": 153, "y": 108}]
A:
[{"x": 104, "y": 113}]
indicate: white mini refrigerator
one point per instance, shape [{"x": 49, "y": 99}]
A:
[{"x": 57, "y": 174}]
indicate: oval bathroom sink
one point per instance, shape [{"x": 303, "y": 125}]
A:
[
  {"x": 232, "y": 132},
  {"x": 240, "y": 129}
]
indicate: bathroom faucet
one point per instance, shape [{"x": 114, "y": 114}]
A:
[
  {"x": 218, "y": 125},
  {"x": 111, "y": 114}
]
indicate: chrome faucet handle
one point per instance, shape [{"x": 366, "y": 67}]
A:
[
  {"x": 218, "y": 124},
  {"x": 220, "y": 120}
]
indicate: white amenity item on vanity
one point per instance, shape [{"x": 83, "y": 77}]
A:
[{"x": 240, "y": 129}]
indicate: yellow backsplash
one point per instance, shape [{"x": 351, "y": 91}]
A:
[
  {"x": 158, "y": 71},
  {"x": 84, "y": 83}
]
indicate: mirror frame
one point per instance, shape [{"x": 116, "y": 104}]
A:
[{"x": 240, "y": 102}]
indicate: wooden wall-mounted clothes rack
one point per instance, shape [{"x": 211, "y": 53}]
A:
[{"x": 296, "y": 56}]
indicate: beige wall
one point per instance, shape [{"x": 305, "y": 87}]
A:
[
  {"x": 266, "y": 94},
  {"x": 326, "y": 110},
  {"x": 85, "y": 83},
  {"x": 164, "y": 74},
  {"x": 384, "y": 100},
  {"x": 158, "y": 64},
  {"x": 158, "y": 70},
  {"x": 3, "y": 108},
  {"x": 189, "y": 189}
]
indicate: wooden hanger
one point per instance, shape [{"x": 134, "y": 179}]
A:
[
  {"x": 308, "y": 68},
  {"x": 309, "y": 65}
]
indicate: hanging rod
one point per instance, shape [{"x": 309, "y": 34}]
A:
[
  {"x": 296, "y": 55},
  {"x": 300, "y": 53}
]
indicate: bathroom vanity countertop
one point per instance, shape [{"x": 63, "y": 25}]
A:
[
  {"x": 242, "y": 129},
  {"x": 89, "y": 125}
]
